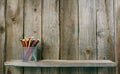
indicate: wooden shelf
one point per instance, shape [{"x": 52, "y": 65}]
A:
[{"x": 62, "y": 63}]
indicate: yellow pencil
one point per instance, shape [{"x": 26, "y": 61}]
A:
[{"x": 29, "y": 42}]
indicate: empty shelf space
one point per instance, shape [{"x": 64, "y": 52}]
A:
[{"x": 62, "y": 63}]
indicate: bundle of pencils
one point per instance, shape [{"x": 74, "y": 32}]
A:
[
  {"x": 29, "y": 48},
  {"x": 29, "y": 42}
]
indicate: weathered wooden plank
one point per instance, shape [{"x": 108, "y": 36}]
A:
[
  {"x": 14, "y": 32},
  {"x": 69, "y": 33},
  {"x": 14, "y": 26},
  {"x": 50, "y": 29},
  {"x": 2, "y": 35},
  {"x": 32, "y": 27},
  {"x": 69, "y": 29},
  {"x": 117, "y": 22},
  {"x": 32, "y": 70},
  {"x": 87, "y": 29},
  {"x": 87, "y": 33},
  {"x": 62, "y": 63},
  {"x": 50, "y": 32},
  {"x": 105, "y": 32}
]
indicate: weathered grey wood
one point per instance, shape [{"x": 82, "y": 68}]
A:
[
  {"x": 117, "y": 22},
  {"x": 50, "y": 33},
  {"x": 14, "y": 32},
  {"x": 87, "y": 33},
  {"x": 50, "y": 29},
  {"x": 2, "y": 34},
  {"x": 87, "y": 29},
  {"x": 69, "y": 29},
  {"x": 88, "y": 18},
  {"x": 32, "y": 27},
  {"x": 62, "y": 63},
  {"x": 102, "y": 32},
  {"x": 69, "y": 33},
  {"x": 105, "y": 32}
]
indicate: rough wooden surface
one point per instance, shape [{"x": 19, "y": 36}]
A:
[
  {"x": 14, "y": 32},
  {"x": 2, "y": 34},
  {"x": 50, "y": 29},
  {"x": 62, "y": 63},
  {"x": 67, "y": 29},
  {"x": 87, "y": 33},
  {"x": 50, "y": 33},
  {"x": 117, "y": 21},
  {"x": 87, "y": 29},
  {"x": 105, "y": 32},
  {"x": 32, "y": 27},
  {"x": 69, "y": 33},
  {"x": 102, "y": 33}
]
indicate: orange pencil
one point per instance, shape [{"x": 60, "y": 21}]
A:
[
  {"x": 26, "y": 41},
  {"x": 23, "y": 43}
]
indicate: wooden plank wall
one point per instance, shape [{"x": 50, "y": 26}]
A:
[
  {"x": 117, "y": 22},
  {"x": 50, "y": 33},
  {"x": 14, "y": 32},
  {"x": 32, "y": 26},
  {"x": 69, "y": 33},
  {"x": 105, "y": 33},
  {"x": 2, "y": 34},
  {"x": 87, "y": 33},
  {"x": 67, "y": 29}
]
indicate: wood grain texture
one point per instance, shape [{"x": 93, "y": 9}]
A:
[
  {"x": 32, "y": 27},
  {"x": 50, "y": 29},
  {"x": 2, "y": 35},
  {"x": 117, "y": 22},
  {"x": 105, "y": 32},
  {"x": 62, "y": 63},
  {"x": 69, "y": 33},
  {"x": 14, "y": 32},
  {"x": 87, "y": 29},
  {"x": 69, "y": 29},
  {"x": 87, "y": 33},
  {"x": 50, "y": 33}
]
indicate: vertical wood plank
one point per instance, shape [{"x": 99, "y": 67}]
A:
[
  {"x": 50, "y": 29},
  {"x": 14, "y": 32},
  {"x": 2, "y": 34},
  {"x": 50, "y": 33},
  {"x": 105, "y": 30},
  {"x": 87, "y": 29},
  {"x": 32, "y": 27},
  {"x": 87, "y": 33},
  {"x": 69, "y": 33},
  {"x": 117, "y": 20},
  {"x": 105, "y": 33},
  {"x": 69, "y": 29}
]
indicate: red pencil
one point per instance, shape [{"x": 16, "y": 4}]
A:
[{"x": 33, "y": 44}]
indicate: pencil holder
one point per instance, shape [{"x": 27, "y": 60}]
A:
[{"x": 29, "y": 54}]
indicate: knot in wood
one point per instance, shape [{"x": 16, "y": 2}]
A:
[
  {"x": 2, "y": 29},
  {"x": 8, "y": 71},
  {"x": 88, "y": 53}
]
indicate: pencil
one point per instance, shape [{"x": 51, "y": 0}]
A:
[
  {"x": 34, "y": 42},
  {"x": 29, "y": 42}
]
